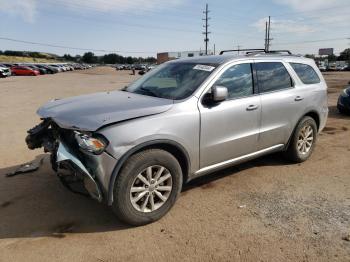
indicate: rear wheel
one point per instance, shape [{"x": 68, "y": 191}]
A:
[
  {"x": 147, "y": 187},
  {"x": 303, "y": 140}
]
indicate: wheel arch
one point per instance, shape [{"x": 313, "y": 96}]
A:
[
  {"x": 314, "y": 115},
  {"x": 176, "y": 149}
]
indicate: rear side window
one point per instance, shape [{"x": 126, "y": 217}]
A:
[
  {"x": 272, "y": 76},
  {"x": 306, "y": 73}
]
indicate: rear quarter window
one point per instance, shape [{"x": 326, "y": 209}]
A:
[
  {"x": 306, "y": 73},
  {"x": 272, "y": 76}
]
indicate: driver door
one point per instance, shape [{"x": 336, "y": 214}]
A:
[{"x": 230, "y": 129}]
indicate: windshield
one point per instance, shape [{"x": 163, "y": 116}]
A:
[{"x": 172, "y": 80}]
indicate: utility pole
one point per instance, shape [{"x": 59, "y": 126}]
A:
[
  {"x": 206, "y": 26},
  {"x": 214, "y": 50},
  {"x": 268, "y": 35},
  {"x": 238, "y": 48}
]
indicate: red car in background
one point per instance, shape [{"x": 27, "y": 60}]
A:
[{"x": 24, "y": 71}]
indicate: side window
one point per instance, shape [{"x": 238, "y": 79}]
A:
[
  {"x": 272, "y": 76},
  {"x": 238, "y": 80},
  {"x": 306, "y": 73}
]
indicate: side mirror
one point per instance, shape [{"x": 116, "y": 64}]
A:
[{"x": 219, "y": 93}]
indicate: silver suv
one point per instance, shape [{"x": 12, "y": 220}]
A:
[{"x": 134, "y": 149}]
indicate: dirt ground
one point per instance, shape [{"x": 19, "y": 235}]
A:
[{"x": 264, "y": 210}]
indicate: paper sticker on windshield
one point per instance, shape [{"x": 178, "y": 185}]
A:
[{"x": 204, "y": 68}]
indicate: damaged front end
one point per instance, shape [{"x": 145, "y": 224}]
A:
[{"x": 74, "y": 156}]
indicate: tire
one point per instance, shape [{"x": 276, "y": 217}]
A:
[
  {"x": 131, "y": 212},
  {"x": 294, "y": 151}
]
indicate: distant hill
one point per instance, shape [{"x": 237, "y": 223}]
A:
[
  {"x": 24, "y": 59},
  {"x": 27, "y": 56}
]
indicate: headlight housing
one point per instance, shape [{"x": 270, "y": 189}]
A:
[{"x": 95, "y": 145}]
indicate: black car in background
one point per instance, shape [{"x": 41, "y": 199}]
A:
[
  {"x": 344, "y": 101},
  {"x": 49, "y": 69}
]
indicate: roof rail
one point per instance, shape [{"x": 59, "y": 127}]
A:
[
  {"x": 280, "y": 51},
  {"x": 243, "y": 50},
  {"x": 257, "y": 51}
]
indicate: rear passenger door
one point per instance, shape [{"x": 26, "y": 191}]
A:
[{"x": 280, "y": 102}]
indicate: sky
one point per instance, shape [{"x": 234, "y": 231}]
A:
[{"x": 146, "y": 27}]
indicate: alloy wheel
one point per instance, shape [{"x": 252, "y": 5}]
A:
[
  {"x": 151, "y": 189},
  {"x": 305, "y": 139}
]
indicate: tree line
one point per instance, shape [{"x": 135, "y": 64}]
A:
[
  {"x": 113, "y": 58},
  {"x": 88, "y": 57}
]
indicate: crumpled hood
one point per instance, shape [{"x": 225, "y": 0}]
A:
[{"x": 91, "y": 112}]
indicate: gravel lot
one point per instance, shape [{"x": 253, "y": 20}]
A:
[{"x": 264, "y": 210}]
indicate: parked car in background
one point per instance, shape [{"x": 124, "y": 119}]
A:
[
  {"x": 151, "y": 67},
  {"x": 49, "y": 69},
  {"x": 7, "y": 65},
  {"x": 134, "y": 149},
  {"x": 64, "y": 68},
  {"x": 340, "y": 67},
  {"x": 119, "y": 67},
  {"x": 42, "y": 71},
  {"x": 344, "y": 101},
  {"x": 24, "y": 71},
  {"x": 322, "y": 68},
  {"x": 4, "y": 71},
  {"x": 343, "y": 67},
  {"x": 332, "y": 67},
  {"x": 57, "y": 67}
]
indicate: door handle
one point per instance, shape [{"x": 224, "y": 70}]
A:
[
  {"x": 252, "y": 107},
  {"x": 298, "y": 98}
]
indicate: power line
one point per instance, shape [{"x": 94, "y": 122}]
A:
[
  {"x": 113, "y": 22},
  {"x": 313, "y": 41},
  {"x": 72, "y": 48},
  {"x": 311, "y": 11},
  {"x": 129, "y": 9},
  {"x": 206, "y": 26}
]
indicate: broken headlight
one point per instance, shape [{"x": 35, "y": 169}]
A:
[{"x": 91, "y": 144}]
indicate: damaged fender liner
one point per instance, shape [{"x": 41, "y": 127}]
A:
[{"x": 90, "y": 184}]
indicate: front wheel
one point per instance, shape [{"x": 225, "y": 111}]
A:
[
  {"x": 147, "y": 187},
  {"x": 303, "y": 140}
]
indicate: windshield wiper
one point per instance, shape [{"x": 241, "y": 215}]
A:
[{"x": 148, "y": 92}]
